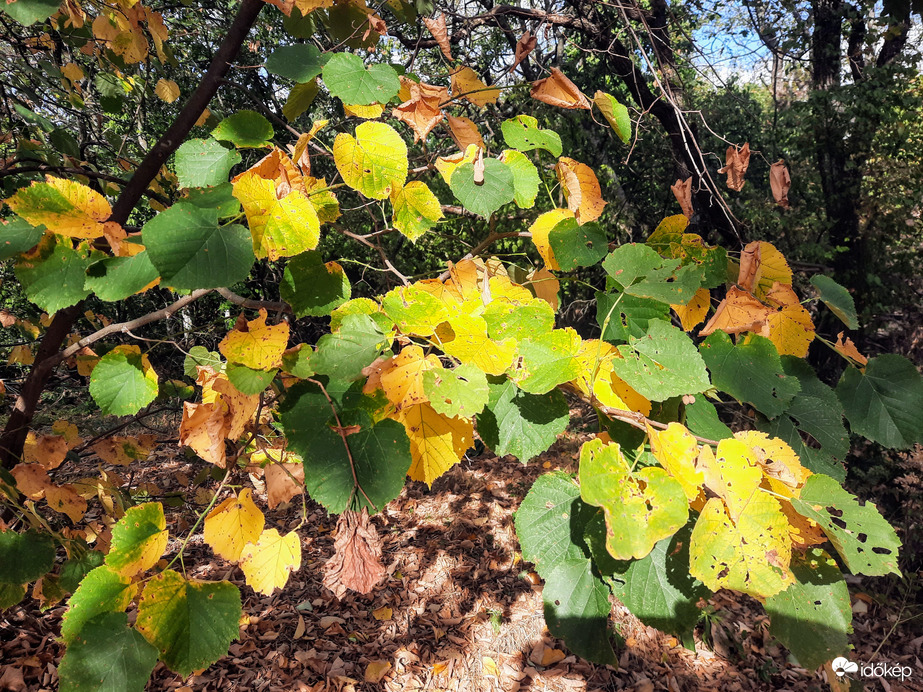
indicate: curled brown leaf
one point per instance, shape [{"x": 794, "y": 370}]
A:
[{"x": 356, "y": 562}]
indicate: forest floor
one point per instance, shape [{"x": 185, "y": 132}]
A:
[{"x": 459, "y": 609}]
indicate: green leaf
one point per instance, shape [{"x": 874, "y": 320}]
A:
[
  {"x": 547, "y": 360},
  {"x": 300, "y": 63},
  {"x": 525, "y": 178},
  {"x": 524, "y": 134},
  {"x": 659, "y": 590},
  {"x": 522, "y": 424},
  {"x": 416, "y": 210},
  {"x": 577, "y": 610},
  {"x": 199, "y": 355},
  {"x": 506, "y": 320},
  {"x": 702, "y": 420},
  {"x": 343, "y": 354},
  {"x": 751, "y": 371},
  {"x": 297, "y": 362},
  {"x": 312, "y": 287},
  {"x": 628, "y": 316},
  {"x": 814, "y": 411},
  {"x": 245, "y": 129},
  {"x": 631, "y": 262},
  {"x": 11, "y": 594},
  {"x": 462, "y": 391},
  {"x": 247, "y": 380},
  {"x": 192, "y": 623},
  {"x": 380, "y": 452},
  {"x": 414, "y": 310},
  {"x": 348, "y": 79},
  {"x": 813, "y": 617},
  {"x": 837, "y": 298},
  {"x": 576, "y": 245},
  {"x": 123, "y": 382},
  {"x": 374, "y": 162},
  {"x": 862, "y": 537},
  {"x": 220, "y": 197},
  {"x": 101, "y": 591},
  {"x": 28, "y": 12},
  {"x": 550, "y": 522},
  {"x": 204, "y": 162},
  {"x": 191, "y": 251},
  {"x": 115, "y": 278},
  {"x": 25, "y": 557},
  {"x": 107, "y": 656},
  {"x": 484, "y": 199},
  {"x": 57, "y": 281},
  {"x": 300, "y": 99},
  {"x": 640, "y": 507},
  {"x": 661, "y": 364},
  {"x": 615, "y": 113},
  {"x": 74, "y": 570},
  {"x": 641, "y": 272},
  {"x": 17, "y": 236},
  {"x": 885, "y": 403},
  {"x": 138, "y": 539}
]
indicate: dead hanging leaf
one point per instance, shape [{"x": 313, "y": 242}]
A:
[
  {"x": 420, "y": 115},
  {"x": 437, "y": 27},
  {"x": 682, "y": 190},
  {"x": 479, "y": 170},
  {"x": 736, "y": 162},
  {"x": 7, "y": 318},
  {"x": 848, "y": 349},
  {"x": 465, "y": 133},
  {"x": 558, "y": 90},
  {"x": 204, "y": 428},
  {"x": 738, "y": 312},
  {"x": 581, "y": 188},
  {"x": 524, "y": 46},
  {"x": 356, "y": 562},
  {"x": 283, "y": 482},
  {"x": 467, "y": 85},
  {"x": 780, "y": 181}
]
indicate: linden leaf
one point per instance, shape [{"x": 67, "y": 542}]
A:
[
  {"x": 446, "y": 165},
  {"x": 167, "y": 90},
  {"x": 414, "y": 310},
  {"x": 524, "y": 134},
  {"x": 268, "y": 563},
  {"x": 676, "y": 450},
  {"x": 421, "y": 111},
  {"x": 736, "y": 163},
  {"x": 615, "y": 114},
  {"x": 465, "y": 84},
  {"x": 751, "y": 555},
  {"x": 540, "y": 230},
  {"x": 525, "y": 177},
  {"x": 402, "y": 377},
  {"x": 103, "y": 590},
  {"x": 437, "y": 27},
  {"x": 779, "y": 463},
  {"x": 640, "y": 508},
  {"x": 66, "y": 500},
  {"x": 495, "y": 188},
  {"x": 581, "y": 189},
  {"x": 738, "y": 312},
  {"x": 370, "y": 112},
  {"x": 780, "y": 180},
  {"x": 547, "y": 360},
  {"x": 596, "y": 358},
  {"x": 462, "y": 391},
  {"x": 437, "y": 442},
  {"x": 467, "y": 339},
  {"x": 732, "y": 473},
  {"x": 65, "y": 207},
  {"x": 121, "y": 451},
  {"x": 374, "y": 162},
  {"x": 416, "y": 209},
  {"x": 123, "y": 381},
  {"x": 138, "y": 540},
  {"x": 257, "y": 345},
  {"x": 233, "y": 524},
  {"x": 761, "y": 265},
  {"x": 464, "y": 132},
  {"x": 790, "y": 326},
  {"x": 558, "y": 90}
]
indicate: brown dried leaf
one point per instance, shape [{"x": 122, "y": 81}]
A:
[
  {"x": 682, "y": 190},
  {"x": 780, "y": 181},
  {"x": 736, "y": 163},
  {"x": 283, "y": 482},
  {"x": 356, "y": 562},
  {"x": 558, "y": 90},
  {"x": 31, "y": 480},
  {"x": 465, "y": 133},
  {"x": 437, "y": 27},
  {"x": 848, "y": 349},
  {"x": 524, "y": 46}
]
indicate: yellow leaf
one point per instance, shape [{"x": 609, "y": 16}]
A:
[
  {"x": 466, "y": 339},
  {"x": 676, "y": 450},
  {"x": 465, "y": 84},
  {"x": 167, "y": 90},
  {"x": 68, "y": 431},
  {"x": 540, "y": 229},
  {"x": 369, "y": 112},
  {"x": 258, "y": 346},
  {"x": 376, "y": 671},
  {"x": 558, "y": 90},
  {"x": 383, "y": 613},
  {"x": 63, "y": 206},
  {"x": 239, "y": 407},
  {"x": 490, "y": 666},
  {"x": 282, "y": 219},
  {"x": 72, "y": 72},
  {"x": 233, "y": 524},
  {"x": 268, "y": 563},
  {"x": 416, "y": 209},
  {"x": 22, "y": 355},
  {"x": 608, "y": 388},
  {"x": 581, "y": 188},
  {"x": 446, "y": 165},
  {"x": 402, "y": 380},
  {"x": 464, "y": 133},
  {"x": 203, "y": 428},
  {"x": 790, "y": 326},
  {"x": 552, "y": 656},
  {"x": 692, "y": 313},
  {"x": 374, "y": 162},
  {"x": 437, "y": 442},
  {"x": 731, "y": 473},
  {"x": 761, "y": 265},
  {"x": 778, "y": 461}
]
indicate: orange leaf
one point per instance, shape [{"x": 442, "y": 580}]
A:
[
  {"x": 465, "y": 84},
  {"x": 545, "y": 285},
  {"x": 780, "y": 180},
  {"x": 848, "y": 349},
  {"x": 581, "y": 188},
  {"x": 682, "y": 190},
  {"x": 204, "y": 428},
  {"x": 31, "y": 480},
  {"x": 465, "y": 133},
  {"x": 258, "y": 345},
  {"x": 64, "y": 499},
  {"x": 558, "y": 90},
  {"x": 402, "y": 379},
  {"x": 736, "y": 163},
  {"x": 738, "y": 312},
  {"x": 437, "y": 27},
  {"x": 420, "y": 114},
  {"x": 761, "y": 265},
  {"x": 47, "y": 450},
  {"x": 790, "y": 326}
]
